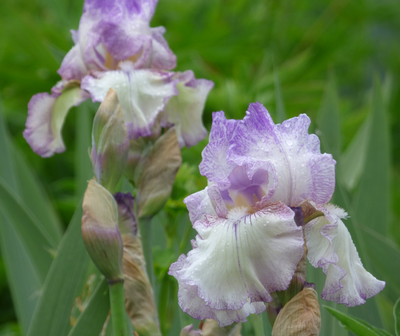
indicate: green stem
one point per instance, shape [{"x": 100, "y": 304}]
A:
[
  {"x": 145, "y": 232},
  {"x": 117, "y": 303}
]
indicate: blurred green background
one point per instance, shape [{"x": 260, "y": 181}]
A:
[{"x": 337, "y": 61}]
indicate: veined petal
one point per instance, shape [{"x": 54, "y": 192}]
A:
[
  {"x": 301, "y": 171},
  {"x": 330, "y": 247},
  {"x": 192, "y": 304},
  {"x": 142, "y": 94},
  {"x": 185, "y": 111},
  {"x": 215, "y": 164},
  {"x": 73, "y": 66},
  {"x": 114, "y": 31},
  {"x": 199, "y": 204},
  {"x": 238, "y": 261},
  {"x": 46, "y": 116}
]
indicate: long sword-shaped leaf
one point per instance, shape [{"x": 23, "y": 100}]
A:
[
  {"x": 36, "y": 240},
  {"x": 328, "y": 123},
  {"x": 91, "y": 320},
  {"x": 65, "y": 279},
  {"x": 356, "y": 325},
  {"x": 372, "y": 204},
  {"x": 22, "y": 274},
  {"x": 35, "y": 198},
  {"x": 396, "y": 313}
]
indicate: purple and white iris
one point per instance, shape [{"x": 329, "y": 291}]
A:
[
  {"x": 248, "y": 244},
  {"x": 115, "y": 47}
]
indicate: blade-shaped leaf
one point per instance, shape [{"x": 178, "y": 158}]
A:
[
  {"x": 396, "y": 313},
  {"x": 65, "y": 279},
  {"x": 352, "y": 160},
  {"x": 83, "y": 165},
  {"x": 36, "y": 240},
  {"x": 24, "y": 282},
  {"x": 23, "y": 278},
  {"x": 279, "y": 105},
  {"x": 372, "y": 205},
  {"x": 35, "y": 198},
  {"x": 356, "y": 325},
  {"x": 91, "y": 320}
]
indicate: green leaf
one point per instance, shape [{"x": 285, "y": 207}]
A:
[
  {"x": 83, "y": 165},
  {"x": 36, "y": 240},
  {"x": 35, "y": 198},
  {"x": 280, "y": 107},
  {"x": 396, "y": 313},
  {"x": 372, "y": 204},
  {"x": 356, "y": 325},
  {"x": 23, "y": 278},
  {"x": 91, "y": 320},
  {"x": 66, "y": 277},
  {"x": 329, "y": 120},
  {"x": 352, "y": 160}
]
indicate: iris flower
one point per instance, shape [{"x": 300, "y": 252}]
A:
[
  {"x": 115, "y": 47},
  {"x": 248, "y": 243}
]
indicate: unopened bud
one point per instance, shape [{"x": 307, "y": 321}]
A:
[
  {"x": 188, "y": 331},
  {"x": 100, "y": 231},
  {"x": 300, "y": 316},
  {"x": 110, "y": 142},
  {"x": 156, "y": 174},
  {"x": 139, "y": 298}
]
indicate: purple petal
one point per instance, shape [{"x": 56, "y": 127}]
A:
[
  {"x": 300, "y": 170},
  {"x": 199, "y": 204},
  {"x": 215, "y": 164},
  {"x": 126, "y": 209},
  {"x": 237, "y": 262},
  {"x": 185, "y": 111},
  {"x": 330, "y": 247},
  {"x": 46, "y": 115},
  {"x": 142, "y": 94}
]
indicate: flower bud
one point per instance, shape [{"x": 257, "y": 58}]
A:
[
  {"x": 188, "y": 331},
  {"x": 100, "y": 231},
  {"x": 110, "y": 142},
  {"x": 300, "y": 316},
  {"x": 139, "y": 298},
  {"x": 155, "y": 174}
]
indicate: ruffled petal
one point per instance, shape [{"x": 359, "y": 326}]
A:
[
  {"x": 46, "y": 115},
  {"x": 185, "y": 111},
  {"x": 142, "y": 94},
  {"x": 215, "y": 164},
  {"x": 192, "y": 304},
  {"x": 199, "y": 204},
  {"x": 330, "y": 247},
  {"x": 301, "y": 171},
  {"x": 73, "y": 66},
  {"x": 114, "y": 31},
  {"x": 238, "y": 261}
]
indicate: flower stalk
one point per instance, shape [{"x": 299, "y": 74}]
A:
[{"x": 117, "y": 303}]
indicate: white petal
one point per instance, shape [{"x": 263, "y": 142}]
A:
[
  {"x": 330, "y": 247},
  {"x": 240, "y": 260},
  {"x": 46, "y": 116},
  {"x": 142, "y": 94},
  {"x": 185, "y": 111}
]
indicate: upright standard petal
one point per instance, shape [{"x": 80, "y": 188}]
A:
[
  {"x": 185, "y": 111},
  {"x": 114, "y": 31},
  {"x": 46, "y": 115},
  {"x": 215, "y": 164},
  {"x": 237, "y": 262},
  {"x": 300, "y": 170},
  {"x": 142, "y": 94},
  {"x": 330, "y": 247}
]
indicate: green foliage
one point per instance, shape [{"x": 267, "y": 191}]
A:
[
  {"x": 356, "y": 325},
  {"x": 290, "y": 56}
]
